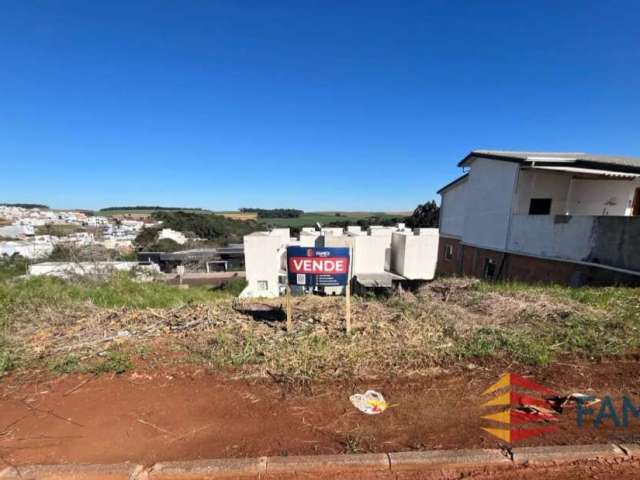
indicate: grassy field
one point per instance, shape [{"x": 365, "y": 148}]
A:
[{"x": 309, "y": 219}]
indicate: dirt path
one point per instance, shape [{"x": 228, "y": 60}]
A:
[{"x": 152, "y": 415}]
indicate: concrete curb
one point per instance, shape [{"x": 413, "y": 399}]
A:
[
  {"x": 325, "y": 464},
  {"x": 117, "y": 471},
  {"x": 218, "y": 468},
  {"x": 447, "y": 459},
  {"x": 563, "y": 454}
]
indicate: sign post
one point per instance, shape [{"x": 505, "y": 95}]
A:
[
  {"x": 319, "y": 267},
  {"x": 348, "y": 298},
  {"x": 289, "y": 320}
]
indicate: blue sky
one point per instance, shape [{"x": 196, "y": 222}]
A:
[{"x": 319, "y": 105}]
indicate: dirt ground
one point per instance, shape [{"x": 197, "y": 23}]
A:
[{"x": 181, "y": 413}]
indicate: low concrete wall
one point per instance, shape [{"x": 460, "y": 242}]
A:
[
  {"x": 608, "y": 240},
  {"x": 557, "y": 236},
  {"x": 616, "y": 242},
  {"x": 468, "y": 260}
]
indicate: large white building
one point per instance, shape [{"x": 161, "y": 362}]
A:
[{"x": 542, "y": 216}]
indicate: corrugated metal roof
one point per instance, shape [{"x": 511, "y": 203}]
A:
[
  {"x": 555, "y": 157},
  {"x": 588, "y": 171}
]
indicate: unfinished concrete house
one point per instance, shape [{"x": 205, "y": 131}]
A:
[
  {"x": 379, "y": 257},
  {"x": 572, "y": 218}
]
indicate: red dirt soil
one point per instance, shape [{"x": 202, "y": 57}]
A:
[{"x": 184, "y": 413}]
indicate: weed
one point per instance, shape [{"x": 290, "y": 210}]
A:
[
  {"x": 116, "y": 361},
  {"x": 352, "y": 444},
  {"x": 66, "y": 364}
]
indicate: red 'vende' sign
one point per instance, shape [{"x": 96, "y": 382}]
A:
[{"x": 318, "y": 265}]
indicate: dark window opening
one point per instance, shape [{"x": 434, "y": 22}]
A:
[
  {"x": 540, "y": 206},
  {"x": 636, "y": 202},
  {"x": 448, "y": 252},
  {"x": 489, "y": 268}
]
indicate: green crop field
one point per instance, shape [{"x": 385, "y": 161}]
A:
[{"x": 309, "y": 219}]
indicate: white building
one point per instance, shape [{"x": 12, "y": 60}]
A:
[
  {"x": 266, "y": 268},
  {"x": 265, "y": 258},
  {"x": 566, "y": 217}
]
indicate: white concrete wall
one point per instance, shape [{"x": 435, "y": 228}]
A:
[
  {"x": 415, "y": 256},
  {"x": 575, "y": 196},
  {"x": 308, "y": 238},
  {"x": 68, "y": 269},
  {"x": 369, "y": 253},
  {"x": 453, "y": 209},
  {"x": 541, "y": 184},
  {"x": 263, "y": 261},
  {"x": 602, "y": 197},
  {"x": 337, "y": 231},
  {"x": 282, "y": 233},
  {"x": 489, "y": 195},
  {"x": 568, "y": 237}
]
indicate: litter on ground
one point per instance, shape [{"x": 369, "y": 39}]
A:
[{"x": 369, "y": 402}]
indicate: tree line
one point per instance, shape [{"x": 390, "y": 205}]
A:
[{"x": 274, "y": 212}]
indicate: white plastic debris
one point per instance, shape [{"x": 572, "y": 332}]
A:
[{"x": 369, "y": 402}]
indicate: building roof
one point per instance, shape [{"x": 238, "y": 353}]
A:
[
  {"x": 611, "y": 162},
  {"x": 451, "y": 184}
]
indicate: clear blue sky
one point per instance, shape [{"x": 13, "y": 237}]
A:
[{"x": 315, "y": 105}]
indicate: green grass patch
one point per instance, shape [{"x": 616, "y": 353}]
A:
[
  {"x": 11, "y": 267},
  {"x": 117, "y": 360},
  {"x": 8, "y": 357},
  {"x": 610, "y": 327},
  {"x": 119, "y": 291}
]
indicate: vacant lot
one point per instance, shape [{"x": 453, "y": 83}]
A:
[
  {"x": 95, "y": 326},
  {"x": 108, "y": 371}
]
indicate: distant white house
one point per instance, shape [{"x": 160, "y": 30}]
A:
[{"x": 542, "y": 216}]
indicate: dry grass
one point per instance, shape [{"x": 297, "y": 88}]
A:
[{"x": 408, "y": 333}]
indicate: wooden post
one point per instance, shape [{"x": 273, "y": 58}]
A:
[
  {"x": 348, "y": 306},
  {"x": 289, "y": 322},
  {"x": 348, "y": 297}
]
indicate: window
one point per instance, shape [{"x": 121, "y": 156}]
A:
[
  {"x": 489, "y": 268},
  {"x": 540, "y": 206},
  {"x": 448, "y": 252},
  {"x": 636, "y": 202},
  {"x": 263, "y": 285}
]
